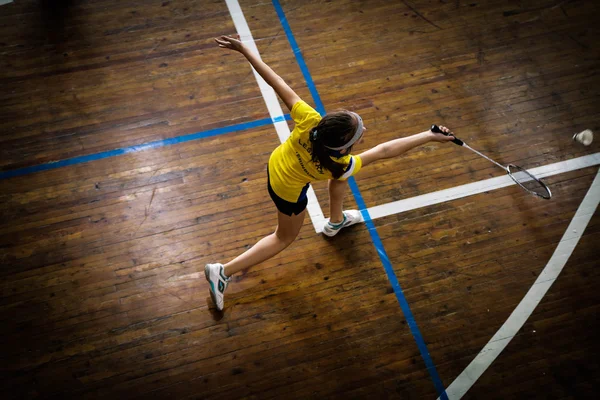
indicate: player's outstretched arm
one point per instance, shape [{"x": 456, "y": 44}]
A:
[
  {"x": 395, "y": 147},
  {"x": 282, "y": 89}
]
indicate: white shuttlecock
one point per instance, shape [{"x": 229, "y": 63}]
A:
[{"x": 586, "y": 137}]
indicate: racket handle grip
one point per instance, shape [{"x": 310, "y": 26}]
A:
[{"x": 436, "y": 129}]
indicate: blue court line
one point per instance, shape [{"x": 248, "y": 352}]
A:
[
  {"x": 141, "y": 147},
  {"x": 296, "y": 49},
  {"x": 387, "y": 265}
]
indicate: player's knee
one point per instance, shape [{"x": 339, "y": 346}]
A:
[{"x": 285, "y": 238}]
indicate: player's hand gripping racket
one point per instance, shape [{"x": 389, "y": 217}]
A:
[{"x": 521, "y": 176}]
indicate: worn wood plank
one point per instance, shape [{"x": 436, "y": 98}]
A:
[{"x": 102, "y": 292}]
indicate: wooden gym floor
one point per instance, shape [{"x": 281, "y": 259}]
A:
[{"x": 102, "y": 291}]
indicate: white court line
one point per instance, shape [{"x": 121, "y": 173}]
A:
[
  {"x": 314, "y": 209},
  {"x": 535, "y": 294},
  {"x": 281, "y": 126},
  {"x": 558, "y": 260},
  {"x": 470, "y": 189},
  {"x": 3, "y": 2}
]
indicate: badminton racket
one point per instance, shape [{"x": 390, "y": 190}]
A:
[{"x": 521, "y": 176}]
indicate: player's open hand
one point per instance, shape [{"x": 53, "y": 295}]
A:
[{"x": 230, "y": 42}]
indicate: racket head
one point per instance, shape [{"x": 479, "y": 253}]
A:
[{"x": 528, "y": 181}]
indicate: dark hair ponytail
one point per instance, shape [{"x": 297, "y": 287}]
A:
[{"x": 334, "y": 130}]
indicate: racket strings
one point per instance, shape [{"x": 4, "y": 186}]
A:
[{"x": 528, "y": 181}]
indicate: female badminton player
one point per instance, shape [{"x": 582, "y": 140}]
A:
[{"x": 319, "y": 148}]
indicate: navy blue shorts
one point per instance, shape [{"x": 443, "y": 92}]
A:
[{"x": 285, "y": 206}]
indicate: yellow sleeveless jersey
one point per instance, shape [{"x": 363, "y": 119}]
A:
[{"x": 290, "y": 165}]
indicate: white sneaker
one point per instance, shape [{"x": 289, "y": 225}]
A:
[
  {"x": 351, "y": 217},
  {"x": 215, "y": 275}
]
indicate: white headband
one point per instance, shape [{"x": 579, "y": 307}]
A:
[{"x": 357, "y": 134}]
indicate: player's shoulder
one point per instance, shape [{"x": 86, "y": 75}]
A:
[{"x": 302, "y": 111}]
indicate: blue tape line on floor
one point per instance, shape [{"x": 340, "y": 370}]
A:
[
  {"x": 140, "y": 147},
  {"x": 387, "y": 265}
]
